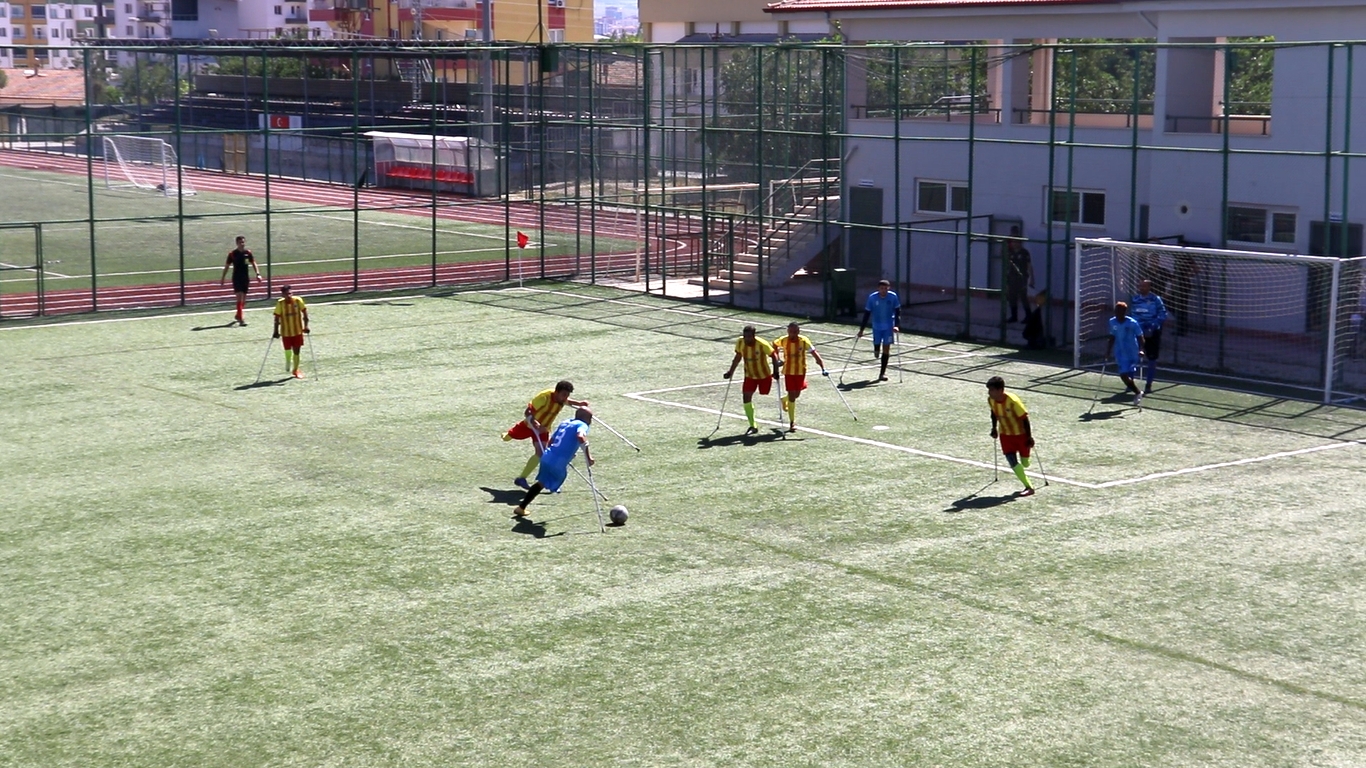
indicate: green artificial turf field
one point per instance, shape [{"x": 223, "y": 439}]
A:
[
  {"x": 139, "y": 235},
  {"x": 203, "y": 572}
]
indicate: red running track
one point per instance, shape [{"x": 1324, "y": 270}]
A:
[{"x": 524, "y": 215}]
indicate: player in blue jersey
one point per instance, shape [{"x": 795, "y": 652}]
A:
[
  {"x": 884, "y": 309},
  {"x": 1147, "y": 308},
  {"x": 562, "y": 448},
  {"x": 1126, "y": 342}
]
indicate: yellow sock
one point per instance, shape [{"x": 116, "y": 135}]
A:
[
  {"x": 530, "y": 466},
  {"x": 289, "y": 356},
  {"x": 1020, "y": 473},
  {"x": 792, "y": 410},
  {"x": 749, "y": 413},
  {"x": 1024, "y": 461}
]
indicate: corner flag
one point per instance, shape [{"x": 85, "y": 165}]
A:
[{"x": 522, "y": 239}]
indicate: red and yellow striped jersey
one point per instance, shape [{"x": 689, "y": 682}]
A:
[
  {"x": 544, "y": 408},
  {"x": 794, "y": 354},
  {"x": 1009, "y": 414},
  {"x": 290, "y": 312},
  {"x": 756, "y": 358}
]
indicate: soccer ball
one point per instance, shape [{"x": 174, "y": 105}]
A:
[{"x": 618, "y": 515}]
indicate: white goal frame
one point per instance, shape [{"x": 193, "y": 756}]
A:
[
  {"x": 1338, "y": 372},
  {"x": 144, "y": 162}
]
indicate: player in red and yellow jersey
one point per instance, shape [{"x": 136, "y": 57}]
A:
[
  {"x": 1010, "y": 420},
  {"x": 291, "y": 323},
  {"x": 536, "y": 422},
  {"x": 756, "y": 354},
  {"x": 792, "y": 350}
]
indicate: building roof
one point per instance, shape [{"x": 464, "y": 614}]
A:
[
  {"x": 797, "y": 6},
  {"x": 708, "y": 37},
  {"x": 43, "y": 87}
]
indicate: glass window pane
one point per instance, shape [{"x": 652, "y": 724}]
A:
[
  {"x": 1093, "y": 208},
  {"x": 960, "y": 198},
  {"x": 933, "y": 196},
  {"x": 1062, "y": 210},
  {"x": 1247, "y": 225},
  {"x": 1282, "y": 227}
]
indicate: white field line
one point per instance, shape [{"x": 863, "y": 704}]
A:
[
  {"x": 197, "y": 313},
  {"x": 644, "y": 396}
]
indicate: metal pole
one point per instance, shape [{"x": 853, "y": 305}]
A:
[
  {"x": 265, "y": 170},
  {"x": 1133, "y": 150},
  {"x": 1328, "y": 368},
  {"x": 90, "y": 178},
  {"x": 356, "y": 171},
  {"x": 179, "y": 181},
  {"x": 972, "y": 155}
]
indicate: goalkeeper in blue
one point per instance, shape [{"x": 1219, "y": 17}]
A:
[
  {"x": 883, "y": 307},
  {"x": 1147, "y": 308},
  {"x": 1126, "y": 342},
  {"x": 563, "y": 447}
]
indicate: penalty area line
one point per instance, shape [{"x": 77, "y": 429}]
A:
[{"x": 1224, "y": 464}]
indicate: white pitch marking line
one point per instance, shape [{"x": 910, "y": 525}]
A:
[
  {"x": 1235, "y": 463},
  {"x": 849, "y": 438},
  {"x": 971, "y": 462}
]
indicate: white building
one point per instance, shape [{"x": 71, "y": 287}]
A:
[{"x": 1160, "y": 175}]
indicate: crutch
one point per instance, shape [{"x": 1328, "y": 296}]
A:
[
  {"x": 1042, "y": 473},
  {"x": 1099, "y": 383},
  {"x": 608, "y": 427},
  {"x": 721, "y": 413},
  {"x": 591, "y": 487},
  {"x": 597, "y": 505},
  {"x": 269, "y": 343},
  {"x": 841, "y": 396},
  {"x": 778, "y": 391},
  {"x": 849, "y": 359},
  {"x": 995, "y": 462},
  {"x": 313, "y": 356}
]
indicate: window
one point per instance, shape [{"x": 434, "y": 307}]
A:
[
  {"x": 1248, "y": 224},
  {"x": 128, "y": 31},
  {"x": 70, "y": 14},
  {"x": 1078, "y": 207},
  {"x": 2, "y": 11},
  {"x": 89, "y": 12},
  {"x": 277, "y": 10},
  {"x": 16, "y": 11},
  {"x": 128, "y": 8},
  {"x": 68, "y": 33},
  {"x": 4, "y": 32},
  {"x": 18, "y": 33},
  {"x": 941, "y": 197},
  {"x": 39, "y": 33},
  {"x": 39, "y": 11},
  {"x": 556, "y": 36}
]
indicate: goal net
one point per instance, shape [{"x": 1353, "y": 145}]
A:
[
  {"x": 1260, "y": 318},
  {"x": 143, "y": 162}
]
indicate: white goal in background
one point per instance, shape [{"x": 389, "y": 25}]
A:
[
  {"x": 143, "y": 162},
  {"x": 1263, "y": 318}
]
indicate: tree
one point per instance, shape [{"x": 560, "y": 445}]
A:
[
  {"x": 4, "y": 79},
  {"x": 792, "y": 97},
  {"x": 1101, "y": 75},
  {"x": 145, "y": 82}
]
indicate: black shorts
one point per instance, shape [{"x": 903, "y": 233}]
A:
[
  {"x": 241, "y": 286},
  {"x": 1152, "y": 344}
]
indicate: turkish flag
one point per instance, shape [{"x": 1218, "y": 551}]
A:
[
  {"x": 279, "y": 121},
  {"x": 522, "y": 240}
]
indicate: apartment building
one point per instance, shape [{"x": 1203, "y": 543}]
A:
[{"x": 536, "y": 21}]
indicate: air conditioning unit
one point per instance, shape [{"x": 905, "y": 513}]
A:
[
  {"x": 556, "y": 3},
  {"x": 473, "y": 34}
]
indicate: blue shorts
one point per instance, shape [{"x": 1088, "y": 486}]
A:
[
  {"x": 1126, "y": 365},
  {"x": 883, "y": 336},
  {"x": 551, "y": 476}
]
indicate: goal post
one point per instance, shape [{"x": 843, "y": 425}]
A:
[
  {"x": 144, "y": 162},
  {"x": 1244, "y": 316}
]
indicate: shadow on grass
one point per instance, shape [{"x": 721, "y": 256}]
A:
[
  {"x": 503, "y": 496},
  {"x": 528, "y": 527},
  {"x": 1101, "y": 415},
  {"x": 850, "y": 386},
  {"x": 774, "y": 434},
  {"x": 266, "y": 383},
  {"x": 228, "y": 324},
  {"x": 976, "y": 500},
  {"x": 386, "y": 304}
]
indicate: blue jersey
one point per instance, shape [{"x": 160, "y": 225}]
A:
[
  {"x": 564, "y": 444},
  {"x": 1149, "y": 311},
  {"x": 1126, "y": 333},
  {"x": 883, "y": 310}
]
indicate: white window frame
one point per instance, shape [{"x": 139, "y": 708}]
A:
[
  {"x": 949, "y": 188},
  {"x": 555, "y": 36},
  {"x": 1082, "y": 194},
  {"x": 1268, "y": 227}
]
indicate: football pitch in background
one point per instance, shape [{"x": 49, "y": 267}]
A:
[{"x": 203, "y": 569}]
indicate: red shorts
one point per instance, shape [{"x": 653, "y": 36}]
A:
[
  {"x": 1015, "y": 444},
  {"x": 794, "y": 383},
  {"x": 295, "y": 343},
  {"x": 520, "y": 431},
  {"x": 764, "y": 385}
]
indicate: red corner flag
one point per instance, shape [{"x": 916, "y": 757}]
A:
[{"x": 522, "y": 239}]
